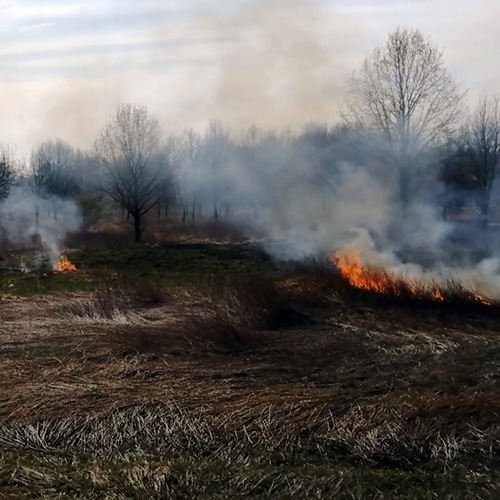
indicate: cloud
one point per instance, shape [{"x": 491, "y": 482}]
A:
[{"x": 275, "y": 63}]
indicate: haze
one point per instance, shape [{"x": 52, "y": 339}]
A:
[{"x": 64, "y": 67}]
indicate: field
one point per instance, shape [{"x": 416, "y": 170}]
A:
[{"x": 203, "y": 370}]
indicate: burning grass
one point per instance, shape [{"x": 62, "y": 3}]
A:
[
  {"x": 64, "y": 265},
  {"x": 282, "y": 386},
  {"x": 381, "y": 281}
]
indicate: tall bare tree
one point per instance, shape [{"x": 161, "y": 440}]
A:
[
  {"x": 126, "y": 149},
  {"x": 54, "y": 172},
  {"x": 404, "y": 95},
  {"x": 7, "y": 171},
  {"x": 482, "y": 141},
  {"x": 216, "y": 147},
  {"x": 188, "y": 165},
  {"x": 165, "y": 186}
]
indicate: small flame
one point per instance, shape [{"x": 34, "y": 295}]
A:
[
  {"x": 64, "y": 265},
  {"x": 437, "y": 296},
  {"x": 376, "y": 279}
]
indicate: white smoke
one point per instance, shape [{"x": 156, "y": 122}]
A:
[{"x": 21, "y": 227}]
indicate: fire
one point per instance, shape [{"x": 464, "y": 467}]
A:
[
  {"x": 376, "y": 279},
  {"x": 352, "y": 269},
  {"x": 64, "y": 265}
]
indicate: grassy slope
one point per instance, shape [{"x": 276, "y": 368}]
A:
[{"x": 285, "y": 387}]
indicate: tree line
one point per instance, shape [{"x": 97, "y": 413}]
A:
[{"x": 404, "y": 119}]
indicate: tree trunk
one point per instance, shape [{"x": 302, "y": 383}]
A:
[
  {"x": 137, "y": 229},
  {"x": 216, "y": 212}
]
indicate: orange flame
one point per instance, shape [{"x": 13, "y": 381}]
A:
[
  {"x": 352, "y": 269},
  {"x": 64, "y": 265},
  {"x": 376, "y": 279}
]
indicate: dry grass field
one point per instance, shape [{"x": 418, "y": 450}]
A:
[{"x": 285, "y": 383}]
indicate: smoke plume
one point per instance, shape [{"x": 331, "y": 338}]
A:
[{"x": 28, "y": 221}]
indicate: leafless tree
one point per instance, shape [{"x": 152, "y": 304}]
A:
[
  {"x": 188, "y": 167},
  {"x": 216, "y": 147},
  {"x": 404, "y": 96},
  {"x": 54, "y": 172},
  {"x": 7, "y": 171},
  {"x": 126, "y": 149},
  {"x": 482, "y": 141},
  {"x": 7, "y": 178},
  {"x": 63, "y": 176},
  {"x": 37, "y": 177},
  {"x": 165, "y": 186}
]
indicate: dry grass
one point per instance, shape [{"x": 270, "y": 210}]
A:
[
  {"x": 204, "y": 229},
  {"x": 144, "y": 293},
  {"x": 103, "y": 307},
  {"x": 167, "y": 230},
  {"x": 232, "y": 391},
  {"x": 254, "y": 302}
]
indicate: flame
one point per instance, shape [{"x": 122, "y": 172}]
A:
[
  {"x": 64, "y": 265},
  {"x": 376, "y": 279},
  {"x": 352, "y": 269}
]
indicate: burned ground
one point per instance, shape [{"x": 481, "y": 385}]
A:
[{"x": 227, "y": 376}]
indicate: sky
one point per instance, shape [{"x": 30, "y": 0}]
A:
[{"x": 65, "y": 66}]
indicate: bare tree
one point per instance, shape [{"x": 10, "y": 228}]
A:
[
  {"x": 54, "y": 172},
  {"x": 216, "y": 148},
  {"x": 7, "y": 171},
  {"x": 126, "y": 149},
  {"x": 37, "y": 178},
  {"x": 482, "y": 141},
  {"x": 187, "y": 163},
  {"x": 404, "y": 95}
]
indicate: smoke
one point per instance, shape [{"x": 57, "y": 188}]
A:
[
  {"x": 278, "y": 64},
  {"x": 316, "y": 215},
  {"x": 353, "y": 209},
  {"x": 323, "y": 190},
  {"x": 275, "y": 64},
  {"x": 27, "y": 221}
]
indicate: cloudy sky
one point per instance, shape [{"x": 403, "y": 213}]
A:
[{"x": 64, "y": 66}]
